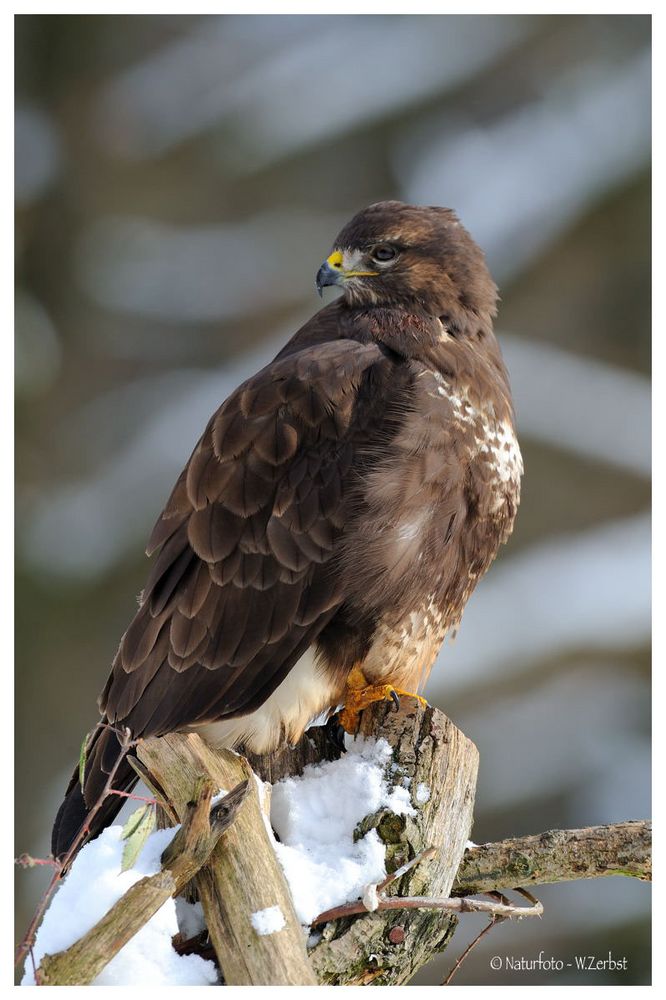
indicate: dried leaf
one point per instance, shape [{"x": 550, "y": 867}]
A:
[{"x": 136, "y": 831}]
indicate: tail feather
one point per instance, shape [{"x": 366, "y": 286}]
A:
[{"x": 74, "y": 813}]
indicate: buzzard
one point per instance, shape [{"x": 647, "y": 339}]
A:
[{"x": 334, "y": 517}]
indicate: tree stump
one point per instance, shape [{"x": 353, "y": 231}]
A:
[
  {"x": 441, "y": 766},
  {"x": 430, "y": 756}
]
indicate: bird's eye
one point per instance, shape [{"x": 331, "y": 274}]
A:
[{"x": 383, "y": 252}]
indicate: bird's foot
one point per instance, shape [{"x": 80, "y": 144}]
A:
[{"x": 359, "y": 694}]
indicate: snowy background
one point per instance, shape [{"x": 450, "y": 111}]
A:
[{"x": 179, "y": 180}]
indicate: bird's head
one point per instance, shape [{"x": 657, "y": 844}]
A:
[{"x": 408, "y": 256}]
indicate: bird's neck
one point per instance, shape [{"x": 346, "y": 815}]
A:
[{"x": 417, "y": 336}]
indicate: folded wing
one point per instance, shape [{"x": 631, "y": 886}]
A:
[{"x": 245, "y": 576}]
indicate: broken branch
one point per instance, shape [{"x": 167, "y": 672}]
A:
[{"x": 189, "y": 850}]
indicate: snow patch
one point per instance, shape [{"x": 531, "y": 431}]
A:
[
  {"x": 268, "y": 921},
  {"x": 93, "y": 885},
  {"x": 422, "y": 793},
  {"x": 315, "y": 817},
  {"x": 370, "y": 897},
  {"x": 190, "y": 917}
]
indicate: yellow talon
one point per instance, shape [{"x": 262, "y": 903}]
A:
[
  {"x": 359, "y": 694},
  {"x": 410, "y": 694}
]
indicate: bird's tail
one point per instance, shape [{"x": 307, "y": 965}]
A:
[{"x": 104, "y": 753}]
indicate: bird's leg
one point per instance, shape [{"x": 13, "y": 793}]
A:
[{"x": 359, "y": 694}]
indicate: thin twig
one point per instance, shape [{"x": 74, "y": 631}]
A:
[
  {"x": 126, "y": 742},
  {"x": 370, "y": 895},
  {"x": 459, "y": 961},
  {"x": 27, "y": 861},
  {"x": 450, "y": 904},
  {"x": 494, "y": 920},
  {"x": 134, "y": 798},
  {"x": 527, "y": 894},
  {"x": 425, "y": 855}
]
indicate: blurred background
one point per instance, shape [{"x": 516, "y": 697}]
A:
[{"x": 178, "y": 182}]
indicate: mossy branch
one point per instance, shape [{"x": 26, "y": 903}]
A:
[{"x": 558, "y": 856}]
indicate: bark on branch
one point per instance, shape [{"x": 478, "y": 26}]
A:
[{"x": 558, "y": 856}]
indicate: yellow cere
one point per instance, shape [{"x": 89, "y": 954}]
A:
[{"x": 335, "y": 259}]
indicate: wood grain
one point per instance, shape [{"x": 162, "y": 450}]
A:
[
  {"x": 430, "y": 752},
  {"x": 243, "y": 875}
]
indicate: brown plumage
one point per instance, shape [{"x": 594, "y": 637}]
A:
[{"x": 337, "y": 511}]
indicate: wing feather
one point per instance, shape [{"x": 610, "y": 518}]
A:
[{"x": 246, "y": 578}]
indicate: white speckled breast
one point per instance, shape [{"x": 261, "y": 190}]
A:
[
  {"x": 493, "y": 440},
  {"x": 402, "y": 654}
]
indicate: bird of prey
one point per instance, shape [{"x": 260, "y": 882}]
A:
[{"x": 333, "y": 518}]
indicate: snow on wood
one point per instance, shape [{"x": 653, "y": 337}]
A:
[
  {"x": 315, "y": 816},
  {"x": 93, "y": 885},
  {"x": 422, "y": 793},
  {"x": 268, "y": 921}
]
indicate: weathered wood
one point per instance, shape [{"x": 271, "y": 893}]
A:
[
  {"x": 83, "y": 962},
  {"x": 243, "y": 875},
  {"x": 190, "y": 848},
  {"x": 558, "y": 856},
  {"x": 387, "y": 948},
  {"x": 313, "y": 748}
]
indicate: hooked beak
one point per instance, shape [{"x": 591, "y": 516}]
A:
[
  {"x": 332, "y": 272},
  {"x": 326, "y": 275}
]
